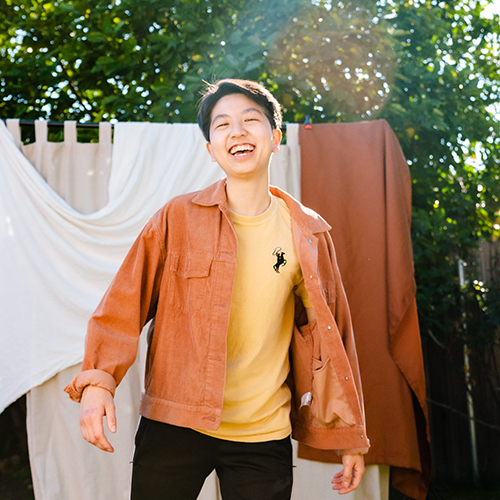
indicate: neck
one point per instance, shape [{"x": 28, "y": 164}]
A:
[{"x": 248, "y": 198}]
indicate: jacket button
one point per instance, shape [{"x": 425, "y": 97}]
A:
[
  {"x": 310, "y": 240},
  {"x": 328, "y": 327},
  {"x": 347, "y": 378},
  {"x": 310, "y": 276}
]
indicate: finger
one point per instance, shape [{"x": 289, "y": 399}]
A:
[
  {"x": 98, "y": 438},
  {"x": 350, "y": 488},
  {"x": 346, "y": 479},
  {"x": 356, "y": 479},
  {"x": 87, "y": 423},
  {"x": 358, "y": 471},
  {"x": 111, "y": 417},
  {"x": 103, "y": 444},
  {"x": 337, "y": 479}
]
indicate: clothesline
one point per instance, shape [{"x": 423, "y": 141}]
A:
[
  {"x": 51, "y": 123},
  {"x": 61, "y": 124}
]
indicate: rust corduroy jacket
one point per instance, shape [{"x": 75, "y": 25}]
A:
[{"x": 180, "y": 274}]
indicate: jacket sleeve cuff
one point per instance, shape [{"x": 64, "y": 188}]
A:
[
  {"x": 96, "y": 378},
  {"x": 352, "y": 451}
]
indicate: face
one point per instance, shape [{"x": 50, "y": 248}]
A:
[{"x": 241, "y": 137}]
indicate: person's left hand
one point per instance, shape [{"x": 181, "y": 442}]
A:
[{"x": 349, "y": 478}]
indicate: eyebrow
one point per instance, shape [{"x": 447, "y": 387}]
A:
[{"x": 248, "y": 110}]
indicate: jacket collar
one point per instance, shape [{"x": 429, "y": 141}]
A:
[
  {"x": 308, "y": 219},
  {"x": 215, "y": 194}
]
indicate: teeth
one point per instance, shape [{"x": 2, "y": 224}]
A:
[{"x": 241, "y": 148}]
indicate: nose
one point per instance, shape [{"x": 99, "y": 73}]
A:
[{"x": 238, "y": 129}]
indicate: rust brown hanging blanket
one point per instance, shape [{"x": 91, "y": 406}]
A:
[{"x": 356, "y": 177}]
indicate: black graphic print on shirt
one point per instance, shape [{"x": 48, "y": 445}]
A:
[{"x": 280, "y": 259}]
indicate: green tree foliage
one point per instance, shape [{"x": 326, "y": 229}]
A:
[
  {"x": 430, "y": 67},
  {"x": 145, "y": 59},
  {"x": 445, "y": 91},
  {"x": 442, "y": 101}
]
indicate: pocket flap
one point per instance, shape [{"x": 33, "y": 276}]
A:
[
  {"x": 191, "y": 266},
  {"x": 307, "y": 329}
]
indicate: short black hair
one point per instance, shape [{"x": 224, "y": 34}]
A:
[{"x": 253, "y": 90}]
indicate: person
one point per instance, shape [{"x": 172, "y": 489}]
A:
[{"x": 250, "y": 338}]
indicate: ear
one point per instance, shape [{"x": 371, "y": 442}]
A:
[
  {"x": 209, "y": 149},
  {"x": 277, "y": 135}
]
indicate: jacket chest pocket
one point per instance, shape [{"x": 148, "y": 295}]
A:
[{"x": 188, "y": 281}]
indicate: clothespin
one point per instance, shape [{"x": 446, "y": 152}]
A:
[{"x": 308, "y": 123}]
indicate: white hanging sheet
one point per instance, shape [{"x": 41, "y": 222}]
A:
[{"x": 77, "y": 172}]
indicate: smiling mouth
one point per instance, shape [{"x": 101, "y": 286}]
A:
[{"x": 241, "y": 149}]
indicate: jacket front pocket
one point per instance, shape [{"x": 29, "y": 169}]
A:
[
  {"x": 329, "y": 405},
  {"x": 189, "y": 279}
]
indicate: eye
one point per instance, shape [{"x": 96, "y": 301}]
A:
[{"x": 219, "y": 125}]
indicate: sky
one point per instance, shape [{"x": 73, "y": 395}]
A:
[{"x": 493, "y": 8}]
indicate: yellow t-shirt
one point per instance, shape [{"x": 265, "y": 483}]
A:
[{"x": 256, "y": 398}]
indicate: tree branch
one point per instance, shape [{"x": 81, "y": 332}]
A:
[{"x": 462, "y": 414}]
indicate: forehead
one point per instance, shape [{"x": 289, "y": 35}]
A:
[{"x": 234, "y": 104}]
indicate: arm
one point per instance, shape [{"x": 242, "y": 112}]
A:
[
  {"x": 128, "y": 304},
  {"x": 113, "y": 334},
  {"x": 353, "y": 461}
]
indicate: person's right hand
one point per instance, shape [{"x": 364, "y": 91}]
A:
[{"x": 95, "y": 404}]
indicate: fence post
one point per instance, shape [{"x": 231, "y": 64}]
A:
[{"x": 470, "y": 402}]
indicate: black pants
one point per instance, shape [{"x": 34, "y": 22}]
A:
[{"x": 171, "y": 463}]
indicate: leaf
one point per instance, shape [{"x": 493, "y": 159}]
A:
[
  {"x": 96, "y": 37},
  {"x": 218, "y": 26},
  {"x": 109, "y": 100},
  {"x": 232, "y": 61},
  {"x": 254, "y": 65},
  {"x": 161, "y": 89},
  {"x": 396, "y": 108}
]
